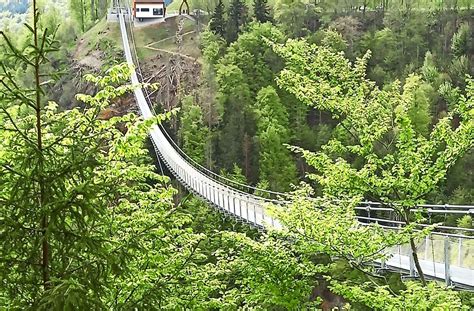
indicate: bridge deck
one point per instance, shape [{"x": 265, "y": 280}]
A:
[{"x": 245, "y": 206}]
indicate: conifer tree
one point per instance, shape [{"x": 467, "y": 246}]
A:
[
  {"x": 237, "y": 18},
  {"x": 275, "y": 162},
  {"x": 461, "y": 41},
  {"x": 193, "y": 132},
  {"x": 77, "y": 196},
  {"x": 217, "y": 23},
  {"x": 261, "y": 11},
  {"x": 12, "y": 93},
  {"x": 234, "y": 96}
]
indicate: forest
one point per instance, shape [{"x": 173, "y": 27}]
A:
[{"x": 328, "y": 102}]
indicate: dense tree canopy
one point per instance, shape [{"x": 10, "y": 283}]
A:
[
  {"x": 375, "y": 98},
  {"x": 218, "y": 23},
  {"x": 401, "y": 140}
]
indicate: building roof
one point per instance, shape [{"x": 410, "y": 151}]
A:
[{"x": 149, "y": 1}]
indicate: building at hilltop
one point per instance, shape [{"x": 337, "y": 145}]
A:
[{"x": 143, "y": 9}]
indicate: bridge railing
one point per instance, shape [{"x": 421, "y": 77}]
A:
[
  {"x": 446, "y": 257},
  {"x": 251, "y": 208},
  {"x": 275, "y": 196}
]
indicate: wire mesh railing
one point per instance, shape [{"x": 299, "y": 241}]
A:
[
  {"x": 269, "y": 195},
  {"x": 450, "y": 251},
  {"x": 442, "y": 256}
]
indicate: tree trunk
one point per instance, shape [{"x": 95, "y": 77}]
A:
[
  {"x": 93, "y": 11},
  {"x": 416, "y": 260},
  {"x": 247, "y": 148},
  {"x": 82, "y": 16},
  {"x": 45, "y": 253},
  {"x": 102, "y": 7},
  {"x": 455, "y": 10}
]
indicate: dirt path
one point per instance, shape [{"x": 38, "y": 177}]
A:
[
  {"x": 165, "y": 39},
  {"x": 172, "y": 53}
]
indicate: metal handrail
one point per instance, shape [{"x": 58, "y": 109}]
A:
[
  {"x": 249, "y": 207},
  {"x": 366, "y": 205}
]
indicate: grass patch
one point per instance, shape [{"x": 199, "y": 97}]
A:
[
  {"x": 95, "y": 37},
  {"x": 166, "y": 30}
]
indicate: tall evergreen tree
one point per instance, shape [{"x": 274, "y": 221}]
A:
[
  {"x": 234, "y": 96},
  {"x": 78, "y": 12},
  {"x": 276, "y": 165},
  {"x": 193, "y": 132},
  {"x": 70, "y": 184},
  {"x": 461, "y": 41},
  {"x": 261, "y": 11},
  {"x": 237, "y": 18},
  {"x": 217, "y": 23}
]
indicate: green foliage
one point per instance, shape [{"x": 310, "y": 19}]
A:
[
  {"x": 261, "y": 11},
  {"x": 429, "y": 70},
  {"x": 449, "y": 93},
  {"x": 218, "y": 23},
  {"x": 87, "y": 224},
  {"x": 389, "y": 157},
  {"x": 234, "y": 95},
  {"x": 379, "y": 121},
  {"x": 415, "y": 297},
  {"x": 237, "y": 17},
  {"x": 461, "y": 41},
  {"x": 270, "y": 110},
  {"x": 349, "y": 28},
  {"x": 235, "y": 175},
  {"x": 419, "y": 112},
  {"x": 465, "y": 222},
  {"x": 333, "y": 40},
  {"x": 459, "y": 69},
  {"x": 256, "y": 60},
  {"x": 246, "y": 66},
  {"x": 396, "y": 142},
  {"x": 113, "y": 237},
  {"x": 212, "y": 47},
  {"x": 286, "y": 282},
  {"x": 87, "y": 232},
  {"x": 86, "y": 13},
  {"x": 275, "y": 162},
  {"x": 384, "y": 47},
  {"x": 326, "y": 227},
  {"x": 193, "y": 132},
  {"x": 297, "y": 18}
]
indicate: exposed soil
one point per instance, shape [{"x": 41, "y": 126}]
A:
[
  {"x": 93, "y": 52},
  {"x": 176, "y": 76},
  {"x": 93, "y": 60}
]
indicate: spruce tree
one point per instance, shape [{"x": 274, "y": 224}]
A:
[
  {"x": 193, "y": 132},
  {"x": 234, "y": 96},
  {"x": 261, "y": 11},
  {"x": 237, "y": 18},
  {"x": 276, "y": 165},
  {"x": 217, "y": 23},
  {"x": 78, "y": 196}
]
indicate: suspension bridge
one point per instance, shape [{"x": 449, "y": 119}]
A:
[{"x": 442, "y": 255}]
